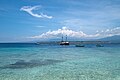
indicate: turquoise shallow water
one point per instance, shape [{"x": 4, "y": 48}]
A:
[{"x": 31, "y": 62}]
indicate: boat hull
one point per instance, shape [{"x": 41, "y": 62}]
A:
[{"x": 64, "y": 43}]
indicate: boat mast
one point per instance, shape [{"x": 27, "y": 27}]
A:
[
  {"x": 62, "y": 37},
  {"x": 66, "y": 38}
]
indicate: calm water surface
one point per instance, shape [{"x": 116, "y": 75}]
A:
[{"x": 54, "y": 62}]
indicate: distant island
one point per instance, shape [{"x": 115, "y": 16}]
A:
[{"x": 74, "y": 42}]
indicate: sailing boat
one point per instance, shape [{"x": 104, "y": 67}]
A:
[{"x": 64, "y": 42}]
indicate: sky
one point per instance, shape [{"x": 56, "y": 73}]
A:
[{"x": 28, "y": 20}]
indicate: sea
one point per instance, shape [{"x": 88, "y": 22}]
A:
[{"x": 29, "y": 61}]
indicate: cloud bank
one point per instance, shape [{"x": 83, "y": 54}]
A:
[
  {"x": 29, "y": 9},
  {"x": 78, "y": 34},
  {"x": 59, "y": 32},
  {"x": 109, "y": 32}
]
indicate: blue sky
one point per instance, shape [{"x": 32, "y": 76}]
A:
[{"x": 26, "y": 20}]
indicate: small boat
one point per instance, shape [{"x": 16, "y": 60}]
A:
[
  {"x": 64, "y": 42},
  {"x": 99, "y": 45},
  {"x": 80, "y": 45}
]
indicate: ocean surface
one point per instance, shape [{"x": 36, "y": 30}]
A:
[{"x": 54, "y": 62}]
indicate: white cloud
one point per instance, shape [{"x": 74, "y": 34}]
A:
[
  {"x": 64, "y": 31},
  {"x": 109, "y": 32},
  {"x": 29, "y": 9},
  {"x": 78, "y": 34}
]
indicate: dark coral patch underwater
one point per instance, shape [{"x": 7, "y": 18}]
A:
[{"x": 21, "y": 64}]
